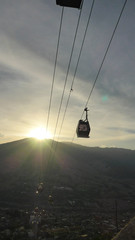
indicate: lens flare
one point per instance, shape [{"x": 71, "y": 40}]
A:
[{"x": 40, "y": 133}]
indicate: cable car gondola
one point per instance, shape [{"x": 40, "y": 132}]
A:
[
  {"x": 83, "y": 127},
  {"x": 70, "y": 3}
]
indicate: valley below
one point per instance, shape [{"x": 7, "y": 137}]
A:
[{"x": 87, "y": 193}]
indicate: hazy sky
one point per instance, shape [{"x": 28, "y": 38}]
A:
[{"x": 28, "y": 41}]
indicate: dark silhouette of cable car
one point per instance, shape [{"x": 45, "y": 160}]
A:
[
  {"x": 83, "y": 127},
  {"x": 70, "y": 3}
]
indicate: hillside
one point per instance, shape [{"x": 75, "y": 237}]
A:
[
  {"x": 89, "y": 173},
  {"x": 87, "y": 186}
]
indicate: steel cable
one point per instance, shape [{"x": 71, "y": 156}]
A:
[
  {"x": 52, "y": 86},
  {"x": 112, "y": 36}
]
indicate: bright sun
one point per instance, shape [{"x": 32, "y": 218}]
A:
[{"x": 40, "y": 133}]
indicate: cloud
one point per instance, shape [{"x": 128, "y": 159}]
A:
[
  {"x": 29, "y": 33},
  {"x": 1, "y": 135},
  {"x": 128, "y": 130}
]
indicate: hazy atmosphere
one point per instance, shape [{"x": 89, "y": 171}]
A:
[{"x": 28, "y": 42}]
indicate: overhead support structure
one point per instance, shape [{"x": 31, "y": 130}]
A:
[{"x": 70, "y": 3}]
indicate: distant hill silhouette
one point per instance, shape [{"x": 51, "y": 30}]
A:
[{"x": 82, "y": 172}]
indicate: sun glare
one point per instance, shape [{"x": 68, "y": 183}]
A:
[{"x": 40, "y": 133}]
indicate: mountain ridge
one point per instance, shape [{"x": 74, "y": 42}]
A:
[{"x": 91, "y": 173}]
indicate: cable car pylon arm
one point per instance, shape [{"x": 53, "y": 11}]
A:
[
  {"x": 70, "y": 3},
  {"x": 86, "y": 110}
]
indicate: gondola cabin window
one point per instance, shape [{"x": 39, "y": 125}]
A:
[{"x": 82, "y": 127}]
